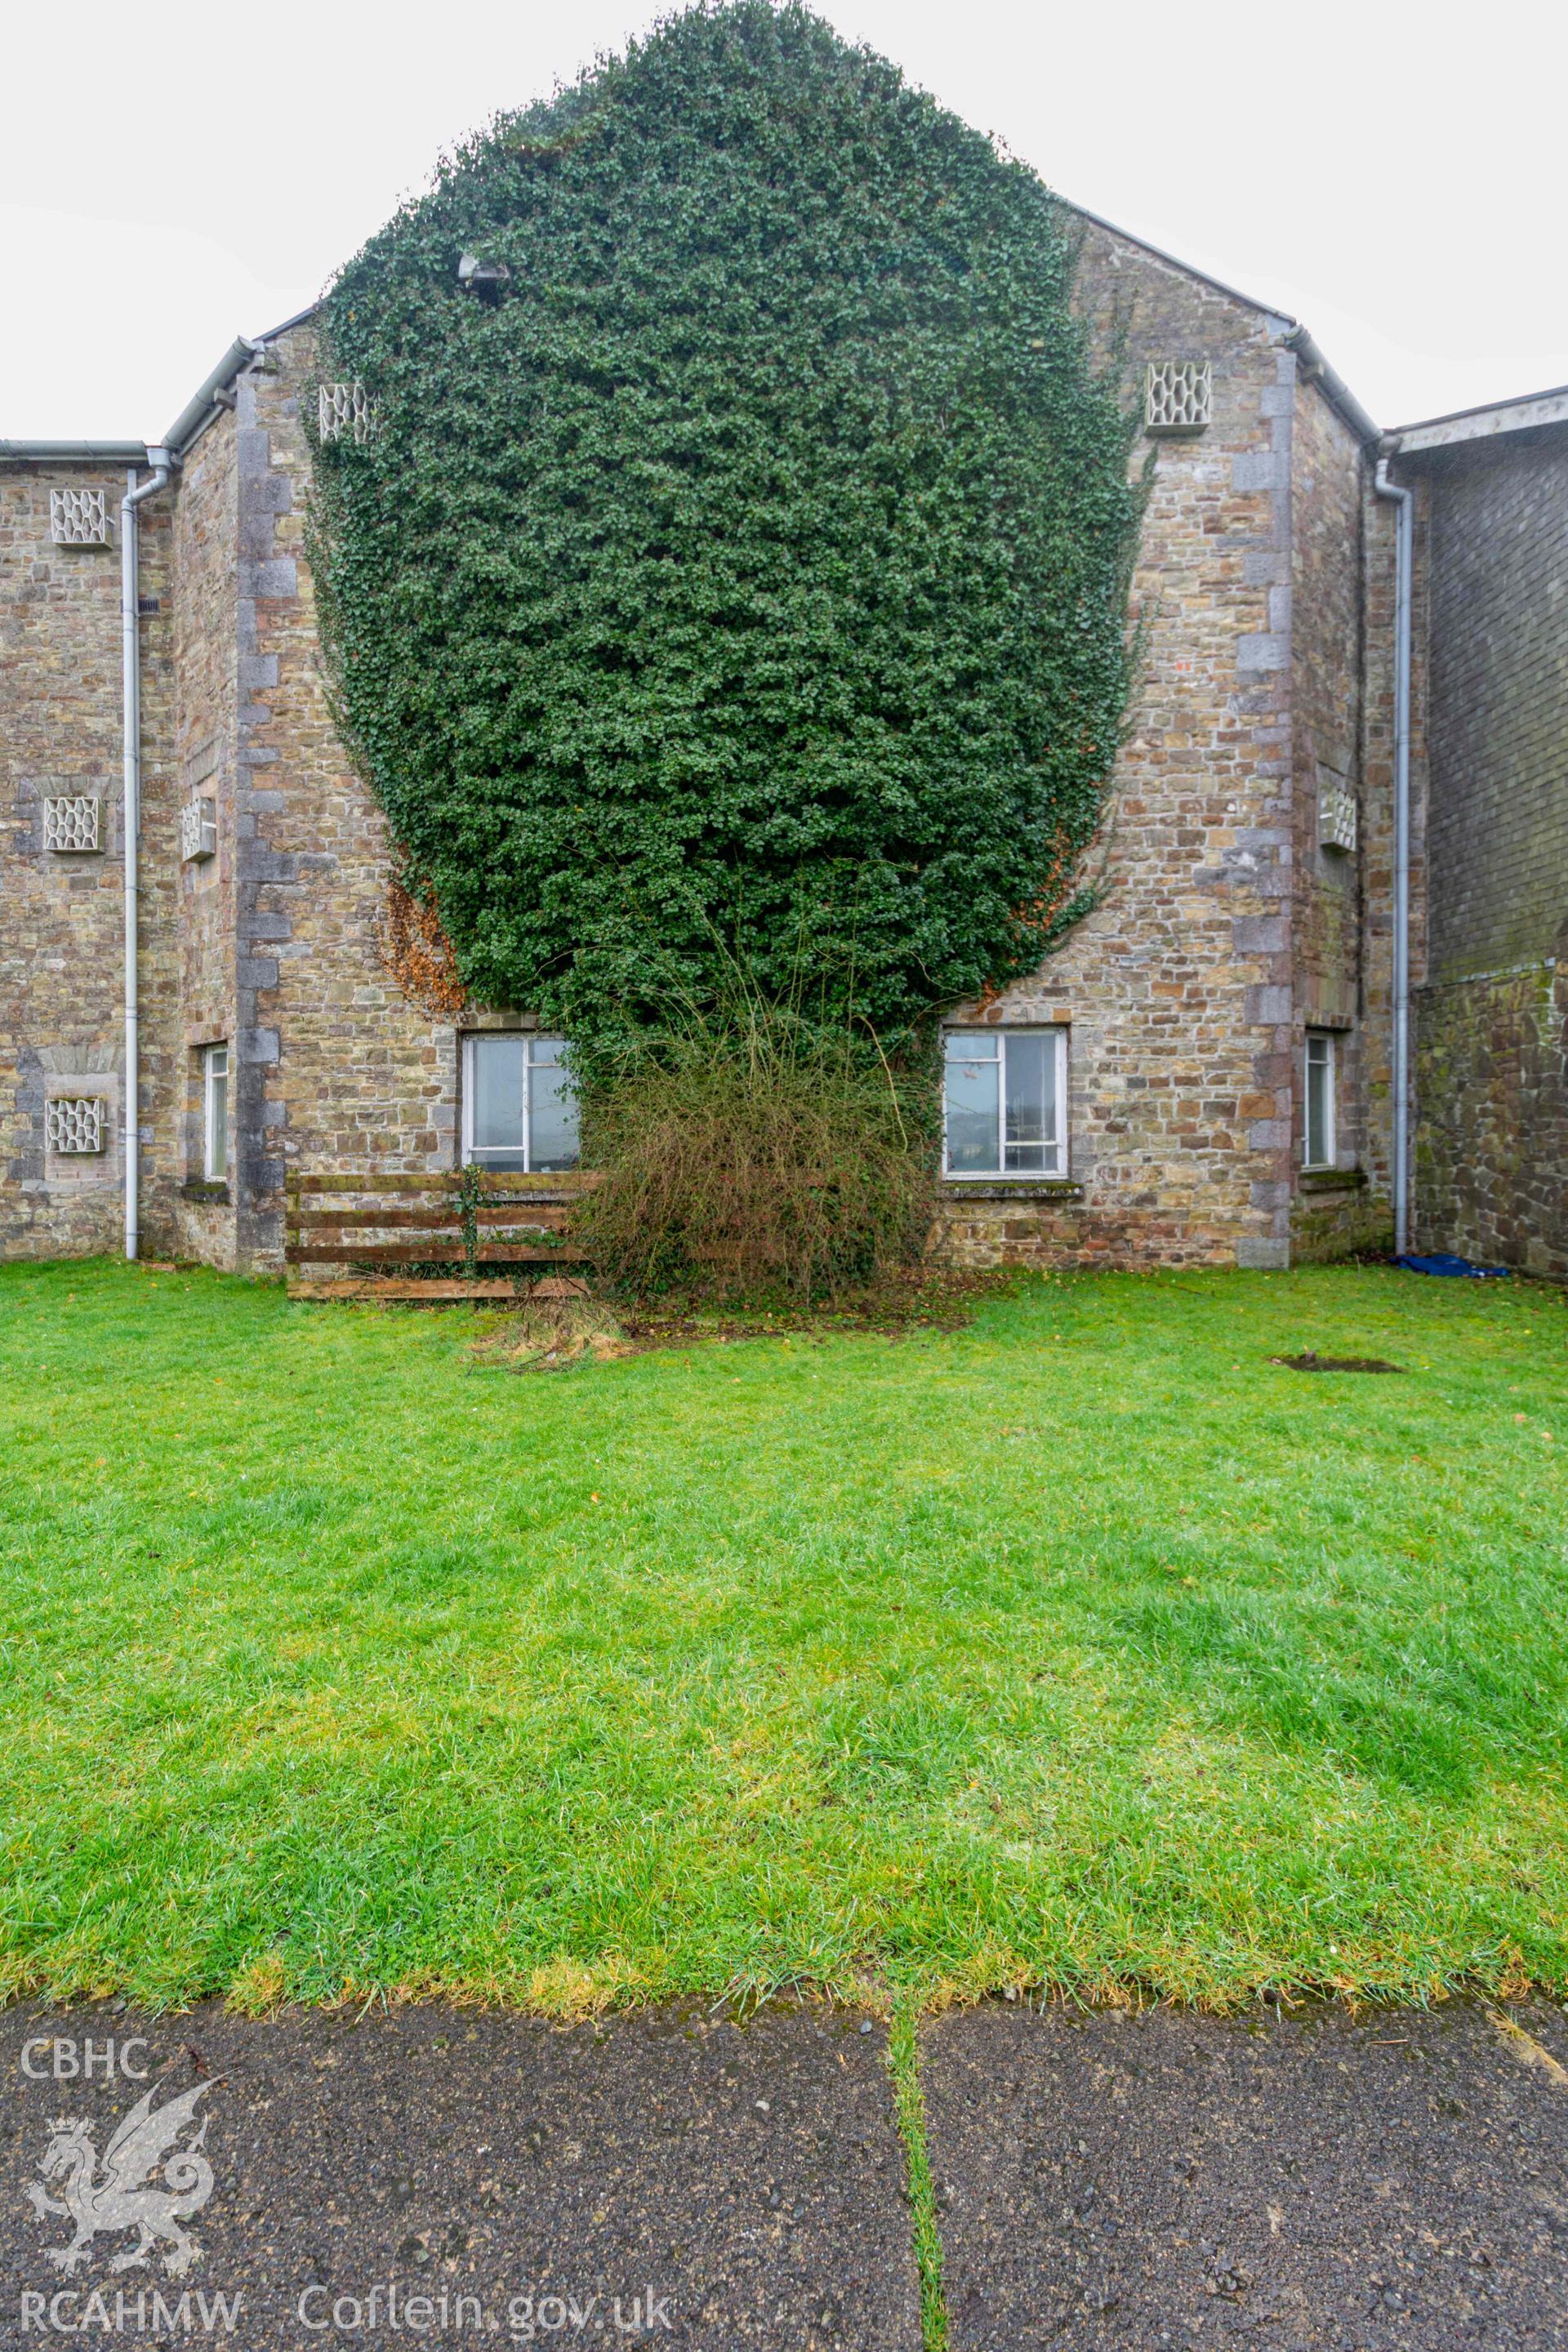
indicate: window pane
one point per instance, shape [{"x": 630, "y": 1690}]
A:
[
  {"x": 495, "y": 1067},
  {"x": 972, "y": 1100},
  {"x": 547, "y": 1049},
  {"x": 553, "y": 1139},
  {"x": 1320, "y": 1113},
  {"x": 1031, "y": 1103},
  {"x": 973, "y": 1045},
  {"x": 218, "y": 1115}
]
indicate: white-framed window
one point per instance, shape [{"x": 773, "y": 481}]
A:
[
  {"x": 1319, "y": 1091},
  {"x": 519, "y": 1107},
  {"x": 1005, "y": 1102},
  {"x": 215, "y": 1113}
]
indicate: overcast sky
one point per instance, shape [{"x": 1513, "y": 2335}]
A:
[{"x": 1390, "y": 175}]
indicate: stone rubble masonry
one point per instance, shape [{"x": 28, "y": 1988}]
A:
[
  {"x": 61, "y": 967},
  {"x": 1376, "y": 821},
  {"x": 1220, "y": 931},
  {"x": 205, "y": 696},
  {"x": 344, "y": 1072},
  {"x": 1184, "y": 989},
  {"x": 1491, "y": 1021},
  {"x": 1345, "y": 1207}
]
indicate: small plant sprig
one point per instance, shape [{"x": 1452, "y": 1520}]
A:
[{"x": 470, "y": 1192}]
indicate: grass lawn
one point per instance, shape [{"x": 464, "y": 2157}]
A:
[{"x": 1081, "y": 1644}]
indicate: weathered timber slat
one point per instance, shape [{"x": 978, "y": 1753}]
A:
[
  {"x": 327, "y": 1215},
  {"x": 548, "y": 1214},
  {"x": 566, "y": 1186},
  {"x": 420, "y": 1253},
  {"x": 389, "y": 1286}
]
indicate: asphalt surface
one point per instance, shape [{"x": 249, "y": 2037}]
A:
[
  {"x": 666, "y": 2180},
  {"x": 1398, "y": 2183}
]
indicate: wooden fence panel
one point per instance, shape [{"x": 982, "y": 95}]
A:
[{"x": 473, "y": 1235}]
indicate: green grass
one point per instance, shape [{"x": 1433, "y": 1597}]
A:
[{"x": 1079, "y": 1645}]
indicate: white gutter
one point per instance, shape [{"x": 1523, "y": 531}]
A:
[
  {"x": 198, "y": 409},
  {"x": 1402, "y": 569},
  {"x": 1331, "y": 383},
  {"x": 131, "y": 700}
]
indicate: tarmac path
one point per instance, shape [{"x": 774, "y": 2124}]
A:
[{"x": 1161, "y": 2183}]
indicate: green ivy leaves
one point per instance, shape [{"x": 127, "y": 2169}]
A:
[{"x": 748, "y": 579}]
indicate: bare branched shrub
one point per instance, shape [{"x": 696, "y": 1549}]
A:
[{"x": 756, "y": 1160}]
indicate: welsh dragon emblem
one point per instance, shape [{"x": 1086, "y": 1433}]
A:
[{"x": 124, "y": 2196}]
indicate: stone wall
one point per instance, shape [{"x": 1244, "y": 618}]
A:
[
  {"x": 1177, "y": 991},
  {"x": 1492, "y": 1146},
  {"x": 1499, "y": 701},
  {"x": 1219, "y": 934},
  {"x": 201, "y": 894},
  {"x": 1344, "y": 1207},
  {"x": 1179, "y": 988},
  {"x": 1491, "y": 1082},
  {"x": 337, "y": 1069},
  {"x": 61, "y": 918}
]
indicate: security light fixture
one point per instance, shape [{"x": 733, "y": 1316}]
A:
[{"x": 485, "y": 278}]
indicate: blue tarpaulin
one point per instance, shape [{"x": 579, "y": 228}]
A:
[{"x": 1442, "y": 1264}]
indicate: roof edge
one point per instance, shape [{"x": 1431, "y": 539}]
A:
[
  {"x": 299, "y": 320},
  {"x": 1521, "y": 414},
  {"x": 78, "y": 453},
  {"x": 1283, "y": 328},
  {"x": 198, "y": 409},
  {"x": 201, "y": 404},
  {"x": 1174, "y": 261},
  {"x": 1332, "y": 385}
]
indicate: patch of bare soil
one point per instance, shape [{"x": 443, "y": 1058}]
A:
[
  {"x": 1312, "y": 1362},
  {"x": 552, "y": 1333},
  {"x": 935, "y": 1301}
]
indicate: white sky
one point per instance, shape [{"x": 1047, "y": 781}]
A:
[{"x": 1388, "y": 172}]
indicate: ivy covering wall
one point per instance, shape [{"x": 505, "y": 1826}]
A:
[{"x": 744, "y": 576}]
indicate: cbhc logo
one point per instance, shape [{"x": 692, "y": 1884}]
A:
[{"x": 79, "y": 2062}]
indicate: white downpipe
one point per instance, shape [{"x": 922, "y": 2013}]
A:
[
  {"x": 1403, "y": 544},
  {"x": 131, "y": 703}
]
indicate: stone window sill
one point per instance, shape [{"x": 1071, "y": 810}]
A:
[
  {"x": 1010, "y": 1188},
  {"x": 1332, "y": 1180},
  {"x": 197, "y": 1189}
]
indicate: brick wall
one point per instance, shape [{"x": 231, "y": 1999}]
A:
[
  {"x": 1491, "y": 1082},
  {"x": 1499, "y": 701}
]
